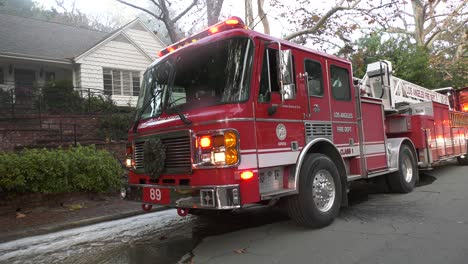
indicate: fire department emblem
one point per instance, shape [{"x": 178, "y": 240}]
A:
[
  {"x": 281, "y": 132},
  {"x": 154, "y": 156}
]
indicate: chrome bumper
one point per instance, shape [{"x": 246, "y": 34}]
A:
[{"x": 203, "y": 197}]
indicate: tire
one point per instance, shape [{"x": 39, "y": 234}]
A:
[
  {"x": 404, "y": 180},
  {"x": 306, "y": 208},
  {"x": 463, "y": 161}
]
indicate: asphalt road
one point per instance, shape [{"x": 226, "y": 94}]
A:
[{"x": 429, "y": 225}]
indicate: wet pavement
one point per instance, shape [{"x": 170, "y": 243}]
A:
[
  {"x": 376, "y": 220},
  {"x": 159, "y": 237},
  {"x": 426, "y": 226}
]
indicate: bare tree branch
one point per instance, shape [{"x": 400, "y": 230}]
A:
[
  {"x": 139, "y": 8},
  {"x": 318, "y": 25},
  {"x": 185, "y": 11},
  {"x": 323, "y": 19}
]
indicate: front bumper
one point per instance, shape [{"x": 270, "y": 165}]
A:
[{"x": 203, "y": 197}]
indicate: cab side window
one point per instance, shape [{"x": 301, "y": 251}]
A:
[
  {"x": 314, "y": 77},
  {"x": 339, "y": 82},
  {"x": 269, "y": 76}
]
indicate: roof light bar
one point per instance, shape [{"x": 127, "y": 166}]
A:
[{"x": 230, "y": 23}]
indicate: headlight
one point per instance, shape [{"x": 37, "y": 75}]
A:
[{"x": 217, "y": 148}]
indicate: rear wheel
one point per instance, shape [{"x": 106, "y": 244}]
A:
[
  {"x": 319, "y": 198},
  {"x": 404, "y": 180}
]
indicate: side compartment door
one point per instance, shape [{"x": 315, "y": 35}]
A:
[{"x": 343, "y": 109}]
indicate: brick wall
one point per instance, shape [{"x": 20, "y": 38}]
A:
[
  {"x": 49, "y": 131},
  {"x": 56, "y": 130}
]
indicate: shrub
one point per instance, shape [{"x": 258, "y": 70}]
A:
[
  {"x": 60, "y": 97},
  {"x": 116, "y": 126},
  {"x": 60, "y": 170},
  {"x": 100, "y": 104}
]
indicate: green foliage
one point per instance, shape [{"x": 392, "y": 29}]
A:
[
  {"x": 410, "y": 62},
  {"x": 100, "y": 104},
  {"x": 116, "y": 126},
  {"x": 60, "y": 170},
  {"x": 60, "y": 97}
]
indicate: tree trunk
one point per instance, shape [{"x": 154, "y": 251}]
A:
[
  {"x": 248, "y": 13},
  {"x": 213, "y": 9},
  {"x": 418, "y": 13},
  {"x": 263, "y": 17}
]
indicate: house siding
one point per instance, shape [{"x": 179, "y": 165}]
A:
[
  {"x": 146, "y": 41},
  {"x": 116, "y": 55},
  {"x": 77, "y": 76}
]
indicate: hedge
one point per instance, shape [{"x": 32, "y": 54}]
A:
[{"x": 74, "y": 169}]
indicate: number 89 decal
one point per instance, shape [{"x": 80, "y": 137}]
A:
[{"x": 155, "y": 194}]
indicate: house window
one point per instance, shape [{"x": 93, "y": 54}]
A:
[
  {"x": 121, "y": 82},
  {"x": 2, "y": 80}
]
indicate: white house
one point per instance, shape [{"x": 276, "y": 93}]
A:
[{"x": 33, "y": 52}]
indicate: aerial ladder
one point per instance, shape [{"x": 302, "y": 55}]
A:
[{"x": 395, "y": 92}]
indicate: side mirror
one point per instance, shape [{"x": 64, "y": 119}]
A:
[{"x": 286, "y": 76}]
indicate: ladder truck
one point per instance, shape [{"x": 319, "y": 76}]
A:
[
  {"x": 435, "y": 120},
  {"x": 231, "y": 117}
]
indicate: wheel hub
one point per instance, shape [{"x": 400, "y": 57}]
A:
[
  {"x": 407, "y": 170},
  {"x": 323, "y": 190}
]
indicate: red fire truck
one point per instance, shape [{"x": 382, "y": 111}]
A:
[{"x": 231, "y": 117}]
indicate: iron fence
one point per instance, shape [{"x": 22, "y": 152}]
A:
[{"x": 17, "y": 100}]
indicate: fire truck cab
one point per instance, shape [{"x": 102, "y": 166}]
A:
[{"x": 230, "y": 117}]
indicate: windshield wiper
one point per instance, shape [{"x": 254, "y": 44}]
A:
[
  {"x": 178, "y": 112},
  {"x": 143, "y": 108}
]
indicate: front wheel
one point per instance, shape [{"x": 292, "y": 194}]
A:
[
  {"x": 319, "y": 199},
  {"x": 404, "y": 180}
]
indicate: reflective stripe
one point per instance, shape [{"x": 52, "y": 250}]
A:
[
  {"x": 248, "y": 161},
  {"x": 277, "y": 159},
  {"x": 274, "y": 150},
  {"x": 372, "y": 149}
]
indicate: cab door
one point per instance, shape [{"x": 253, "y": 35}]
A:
[
  {"x": 278, "y": 123},
  {"x": 317, "y": 123}
]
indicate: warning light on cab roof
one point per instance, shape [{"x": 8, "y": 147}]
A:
[{"x": 230, "y": 23}]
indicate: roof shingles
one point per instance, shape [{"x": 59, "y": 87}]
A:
[{"x": 41, "y": 39}]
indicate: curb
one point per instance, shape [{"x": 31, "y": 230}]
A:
[{"x": 36, "y": 231}]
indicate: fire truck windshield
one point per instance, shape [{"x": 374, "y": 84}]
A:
[{"x": 216, "y": 73}]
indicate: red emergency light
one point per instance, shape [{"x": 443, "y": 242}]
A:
[
  {"x": 465, "y": 108},
  {"x": 230, "y": 23}
]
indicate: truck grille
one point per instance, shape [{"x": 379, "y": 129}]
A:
[{"x": 178, "y": 152}]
